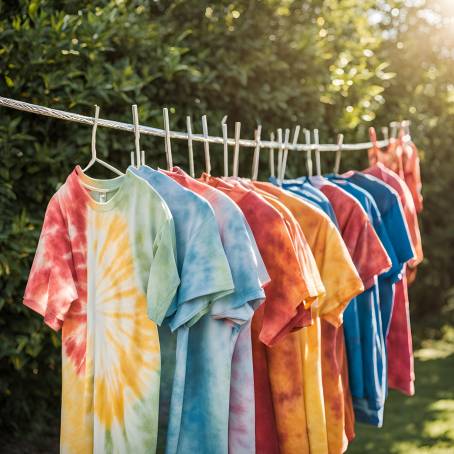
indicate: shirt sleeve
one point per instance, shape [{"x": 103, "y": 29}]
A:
[
  {"x": 205, "y": 274},
  {"x": 340, "y": 277},
  {"x": 51, "y": 286},
  {"x": 163, "y": 277},
  {"x": 366, "y": 250},
  {"x": 244, "y": 268},
  {"x": 287, "y": 292},
  {"x": 396, "y": 267},
  {"x": 398, "y": 233}
]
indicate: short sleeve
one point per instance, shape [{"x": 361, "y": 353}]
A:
[
  {"x": 205, "y": 274},
  {"x": 51, "y": 286},
  {"x": 243, "y": 265},
  {"x": 396, "y": 267},
  {"x": 163, "y": 278},
  {"x": 263, "y": 275},
  {"x": 339, "y": 275},
  {"x": 287, "y": 292},
  {"x": 398, "y": 232},
  {"x": 367, "y": 251}
]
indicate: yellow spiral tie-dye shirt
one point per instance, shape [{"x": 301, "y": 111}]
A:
[{"x": 105, "y": 273}]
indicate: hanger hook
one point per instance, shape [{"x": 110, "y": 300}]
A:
[
  {"x": 93, "y": 134},
  {"x": 226, "y": 146},
  {"x": 168, "y": 146},
  {"x": 272, "y": 155},
  {"x": 135, "y": 119},
  {"x": 307, "y": 138},
  {"x": 318, "y": 163},
  {"x": 279, "y": 152},
  {"x": 256, "y": 158},
  {"x": 340, "y": 141},
  {"x": 206, "y": 145},
  {"x": 190, "y": 149},
  {"x": 294, "y": 142},
  {"x": 394, "y": 125},
  {"x": 236, "y": 152}
]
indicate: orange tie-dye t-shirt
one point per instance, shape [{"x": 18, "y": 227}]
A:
[
  {"x": 289, "y": 377},
  {"x": 278, "y": 396},
  {"x": 105, "y": 273},
  {"x": 323, "y": 387}
]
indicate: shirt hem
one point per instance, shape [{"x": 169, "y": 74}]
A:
[{"x": 50, "y": 319}]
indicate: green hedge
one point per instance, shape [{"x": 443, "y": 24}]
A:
[{"x": 319, "y": 63}]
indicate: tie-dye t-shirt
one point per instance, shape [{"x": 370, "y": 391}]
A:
[
  {"x": 205, "y": 277},
  {"x": 363, "y": 329},
  {"x": 330, "y": 334},
  {"x": 412, "y": 173},
  {"x": 105, "y": 272},
  {"x": 284, "y": 373},
  {"x": 400, "y": 348},
  {"x": 204, "y": 422},
  {"x": 361, "y": 240},
  {"x": 402, "y": 157},
  {"x": 393, "y": 180},
  {"x": 387, "y": 201},
  {"x": 323, "y": 389},
  {"x": 276, "y": 318},
  {"x": 242, "y": 399},
  {"x": 302, "y": 187}
]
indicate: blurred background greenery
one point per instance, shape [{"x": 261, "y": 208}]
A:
[{"x": 336, "y": 65}]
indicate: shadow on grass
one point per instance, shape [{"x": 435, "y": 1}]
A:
[{"x": 423, "y": 423}]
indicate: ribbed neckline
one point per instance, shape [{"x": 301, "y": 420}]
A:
[{"x": 117, "y": 183}]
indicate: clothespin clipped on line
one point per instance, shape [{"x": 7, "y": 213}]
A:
[
  {"x": 284, "y": 158},
  {"x": 226, "y": 145},
  {"x": 318, "y": 165},
  {"x": 256, "y": 158},
  {"x": 206, "y": 145},
  {"x": 271, "y": 156},
  {"x": 307, "y": 138},
  {"x": 236, "y": 150},
  {"x": 279, "y": 152},
  {"x": 337, "y": 159},
  {"x": 139, "y": 154},
  {"x": 190, "y": 149},
  {"x": 168, "y": 146}
]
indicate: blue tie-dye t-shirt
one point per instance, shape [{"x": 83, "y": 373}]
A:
[
  {"x": 302, "y": 187},
  {"x": 364, "y": 336},
  {"x": 204, "y": 274},
  {"x": 199, "y": 415},
  {"x": 364, "y": 343},
  {"x": 400, "y": 249}
]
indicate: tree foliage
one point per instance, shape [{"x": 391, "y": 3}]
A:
[{"x": 339, "y": 66}]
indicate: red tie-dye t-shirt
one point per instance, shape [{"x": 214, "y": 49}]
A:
[
  {"x": 402, "y": 157},
  {"x": 399, "y": 341},
  {"x": 276, "y": 244}
]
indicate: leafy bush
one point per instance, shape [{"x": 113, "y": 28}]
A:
[{"x": 320, "y": 63}]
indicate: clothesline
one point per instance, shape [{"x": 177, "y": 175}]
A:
[{"x": 168, "y": 134}]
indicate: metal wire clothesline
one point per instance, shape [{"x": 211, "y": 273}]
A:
[{"x": 168, "y": 134}]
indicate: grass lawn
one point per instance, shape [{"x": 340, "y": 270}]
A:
[
  {"x": 420, "y": 424},
  {"x": 423, "y": 423}
]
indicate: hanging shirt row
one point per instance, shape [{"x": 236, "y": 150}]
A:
[{"x": 282, "y": 307}]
